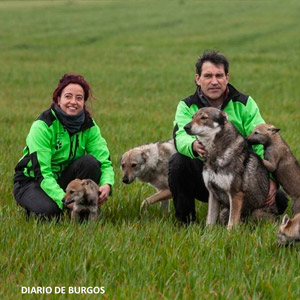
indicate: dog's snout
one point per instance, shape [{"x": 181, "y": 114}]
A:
[{"x": 125, "y": 179}]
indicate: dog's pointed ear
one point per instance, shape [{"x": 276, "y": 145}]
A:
[
  {"x": 223, "y": 118},
  {"x": 273, "y": 129},
  {"x": 286, "y": 219},
  {"x": 225, "y": 115},
  {"x": 90, "y": 186},
  {"x": 145, "y": 154},
  {"x": 276, "y": 130},
  {"x": 86, "y": 181}
]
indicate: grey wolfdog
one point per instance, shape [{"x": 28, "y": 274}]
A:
[
  {"x": 84, "y": 194},
  {"x": 234, "y": 175},
  {"x": 279, "y": 160},
  {"x": 149, "y": 163}
]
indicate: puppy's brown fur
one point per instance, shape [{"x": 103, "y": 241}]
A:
[
  {"x": 279, "y": 160},
  {"x": 289, "y": 230},
  {"x": 84, "y": 194}
]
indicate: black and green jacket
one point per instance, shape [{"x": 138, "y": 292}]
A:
[
  {"x": 50, "y": 149},
  {"x": 241, "y": 109}
]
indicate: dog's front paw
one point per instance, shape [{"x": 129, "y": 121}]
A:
[{"x": 144, "y": 206}]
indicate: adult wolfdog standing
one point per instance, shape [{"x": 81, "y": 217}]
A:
[
  {"x": 149, "y": 163},
  {"x": 234, "y": 175}
]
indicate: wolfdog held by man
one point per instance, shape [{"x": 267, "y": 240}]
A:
[
  {"x": 149, "y": 163},
  {"x": 84, "y": 194},
  {"x": 233, "y": 174}
]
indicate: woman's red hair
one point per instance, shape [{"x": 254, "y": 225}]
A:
[{"x": 66, "y": 80}]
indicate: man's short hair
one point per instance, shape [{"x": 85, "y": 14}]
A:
[{"x": 214, "y": 57}]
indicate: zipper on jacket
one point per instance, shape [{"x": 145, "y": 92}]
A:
[
  {"x": 71, "y": 147},
  {"x": 71, "y": 154},
  {"x": 76, "y": 145}
]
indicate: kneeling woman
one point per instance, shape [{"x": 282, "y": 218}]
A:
[{"x": 64, "y": 143}]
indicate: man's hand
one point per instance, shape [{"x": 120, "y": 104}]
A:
[
  {"x": 70, "y": 206},
  {"x": 272, "y": 193},
  {"x": 104, "y": 191},
  {"x": 199, "y": 148}
]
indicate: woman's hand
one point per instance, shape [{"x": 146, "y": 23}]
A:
[{"x": 104, "y": 191}]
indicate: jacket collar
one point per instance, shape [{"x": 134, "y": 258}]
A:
[{"x": 230, "y": 93}]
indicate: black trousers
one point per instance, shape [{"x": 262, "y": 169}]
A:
[
  {"x": 35, "y": 201},
  {"x": 186, "y": 184}
]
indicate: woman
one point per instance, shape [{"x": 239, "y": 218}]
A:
[{"x": 64, "y": 143}]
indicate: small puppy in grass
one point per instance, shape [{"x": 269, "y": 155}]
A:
[
  {"x": 289, "y": 230},
  {"x": 84, "y": 194}
]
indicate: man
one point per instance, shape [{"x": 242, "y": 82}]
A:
[{"x": 185, "y": 168}]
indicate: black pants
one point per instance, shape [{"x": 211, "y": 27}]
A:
[
  {"x": 186, "y": 184},
  {"x": 35, "y": 201}
]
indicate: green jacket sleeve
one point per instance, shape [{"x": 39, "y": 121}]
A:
[
  {"x": 252, "y": 117},
  {"x": 183, "y": 141},
  {"x": 39, "y": 144},
  {"x": 97, "y": 146}
]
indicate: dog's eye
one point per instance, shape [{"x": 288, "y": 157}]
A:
[
  {"x": 133, "y": 165},
  {"x": 123, "y": 166},
  {"x": 71, "y": 192},
  {"x": 256, "y": 132},
  {"x": 203, "y": 118}
]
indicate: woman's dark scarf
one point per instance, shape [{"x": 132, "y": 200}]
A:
[{"x": 71, "y": 123}]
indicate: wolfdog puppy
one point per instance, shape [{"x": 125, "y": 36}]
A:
[
  {"x": 234, "y": 176},
  {"x": 279, "y": 160},
  {"x": 149, "y": 163},
  {"x": 289, "y": 230},
  {"x": 84, "y": 193}
]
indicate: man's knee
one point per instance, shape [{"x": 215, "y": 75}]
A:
[
  {"x": 176, "y": 170},
  {"x": 178, "y": 161},
  {"x": 177, "y": 167},
  {"x": 185, "y": 169}
]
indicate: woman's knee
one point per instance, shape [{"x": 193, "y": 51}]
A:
[
  {"x": 89, "y": 163},
  {"x": 35, "y": 201}
]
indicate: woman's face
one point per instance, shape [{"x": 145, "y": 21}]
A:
[{"x": 71, "y": 100}]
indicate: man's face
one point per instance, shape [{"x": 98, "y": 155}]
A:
[{"x": 213, "y": 81}]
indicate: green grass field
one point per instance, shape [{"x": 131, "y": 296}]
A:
[{"x": 139, "y": 58}]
